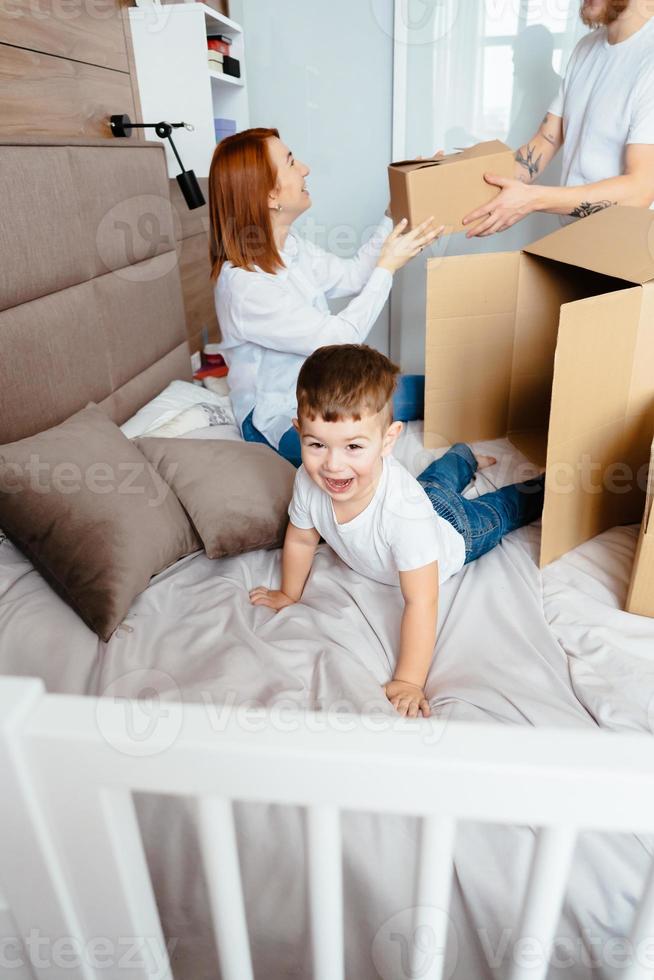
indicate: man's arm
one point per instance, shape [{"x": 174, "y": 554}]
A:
[
  {"x": 635, "y": 187},
  {"x": 417, "y": 639},
  {"x": 297, "y": 557},
  {"x": 530, "y": 162},
  {"x": 532, "y": 158}
]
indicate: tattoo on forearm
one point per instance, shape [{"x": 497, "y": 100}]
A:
[
  {"x": 547, "y": 136},
  {"x": 532, "y": 166},
  {"x": 589, "y": 207}
]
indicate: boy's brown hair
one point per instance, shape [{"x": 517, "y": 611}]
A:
[{"x": 346, "y": 381}]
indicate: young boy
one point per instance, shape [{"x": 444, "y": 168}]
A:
[{"x": 380, "y": 520}]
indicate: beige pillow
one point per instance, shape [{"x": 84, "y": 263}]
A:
[
  {"x": 91, "y": 514},
  {"x": 236, "y": 493}
]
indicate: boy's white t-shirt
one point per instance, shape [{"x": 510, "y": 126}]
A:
[
  {"x": 606, "y": 101},
  {"x": 398, "y": 531}
]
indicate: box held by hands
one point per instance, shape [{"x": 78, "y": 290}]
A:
[{"x": 448, "y": 188}]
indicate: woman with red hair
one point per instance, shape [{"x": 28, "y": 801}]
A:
[{"x": 272, "y": 286}]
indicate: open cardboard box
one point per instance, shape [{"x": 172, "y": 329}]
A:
[
  {"x": 641, "y": 592},
  {"x": 554, "y": 347},
  {"x": 448, "y": 188}
]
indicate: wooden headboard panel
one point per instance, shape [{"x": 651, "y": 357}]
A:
[
  {"x": 90, "y": 299},
  {"x": 192, "y": 229}
]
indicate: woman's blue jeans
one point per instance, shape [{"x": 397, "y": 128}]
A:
[
  {"x": 408, "y": 404},
  {"x": 483, "y": 521}
]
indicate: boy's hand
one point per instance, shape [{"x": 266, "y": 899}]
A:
[
  {"x": 272, "y": 598},
  {"x": 407, "y": 699}
]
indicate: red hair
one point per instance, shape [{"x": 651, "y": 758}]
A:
[{"x": 240, "y": 179}]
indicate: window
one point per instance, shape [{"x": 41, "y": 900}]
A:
[{"x": 524, "y": 46}]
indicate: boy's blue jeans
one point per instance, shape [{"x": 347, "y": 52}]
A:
[
  {"x": 483, "y": 521},
  {"x": 408, "y": 403}
]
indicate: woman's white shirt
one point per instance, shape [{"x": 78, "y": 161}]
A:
[{"x": 270, "y": 323}]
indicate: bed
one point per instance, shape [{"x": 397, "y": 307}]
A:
[{"x": 541, "y": 666}]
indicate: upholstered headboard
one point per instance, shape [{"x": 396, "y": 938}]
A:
[{"x": 90, "y": 297}]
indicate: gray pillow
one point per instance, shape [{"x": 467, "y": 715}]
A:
[
  {"x": 91, "y": 514},
  {"x": 236, "y": 493}
]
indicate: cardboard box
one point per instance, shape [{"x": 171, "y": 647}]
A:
[
  {"x": 449, "y": 188},
  {"x": 641, "y": 591},
  {"x": 554, "y": 347}
]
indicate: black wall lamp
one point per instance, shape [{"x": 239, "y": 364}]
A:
[{"x": 122, "y": 125}]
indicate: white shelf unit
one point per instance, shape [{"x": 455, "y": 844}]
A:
[
  {"x": 175, "y": 82},
  {"x": 227, "y": 79}
]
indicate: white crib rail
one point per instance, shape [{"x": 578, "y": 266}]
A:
[
  {"x": 71, "y": 857},
  {"x": 545, "y": 892},
  {"x": 326, "y": 891},
  {"x": 434, "y": 887}
]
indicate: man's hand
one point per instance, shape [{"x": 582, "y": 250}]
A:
[
  {"x": 273, "y": 598},
  {"x": 515, "y": 201},
  {"x": 408, "y": 699}
]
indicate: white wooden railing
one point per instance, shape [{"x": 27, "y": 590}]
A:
[{"x": 72, "y": 861}]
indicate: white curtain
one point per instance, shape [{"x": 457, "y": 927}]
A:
[{"x": 465, "y": 71}]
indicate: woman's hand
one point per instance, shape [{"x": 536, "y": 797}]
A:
[
  {"x": 408, "y": 699},
  {"x": 273, "y": 598},
  {"x": 399, "y": 248}
]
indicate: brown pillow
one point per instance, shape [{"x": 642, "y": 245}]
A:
[
  {"x": 236, "y": 493},
  {"x": 91, "y": 514}
]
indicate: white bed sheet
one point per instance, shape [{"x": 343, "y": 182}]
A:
[
  {"x": 610, "y": 652},
  {"x": 503, "y": 656}
]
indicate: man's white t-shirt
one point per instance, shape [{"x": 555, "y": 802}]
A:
[
  {"x": 398, "y": 531},
  {"x": 606, "y": 101}
]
